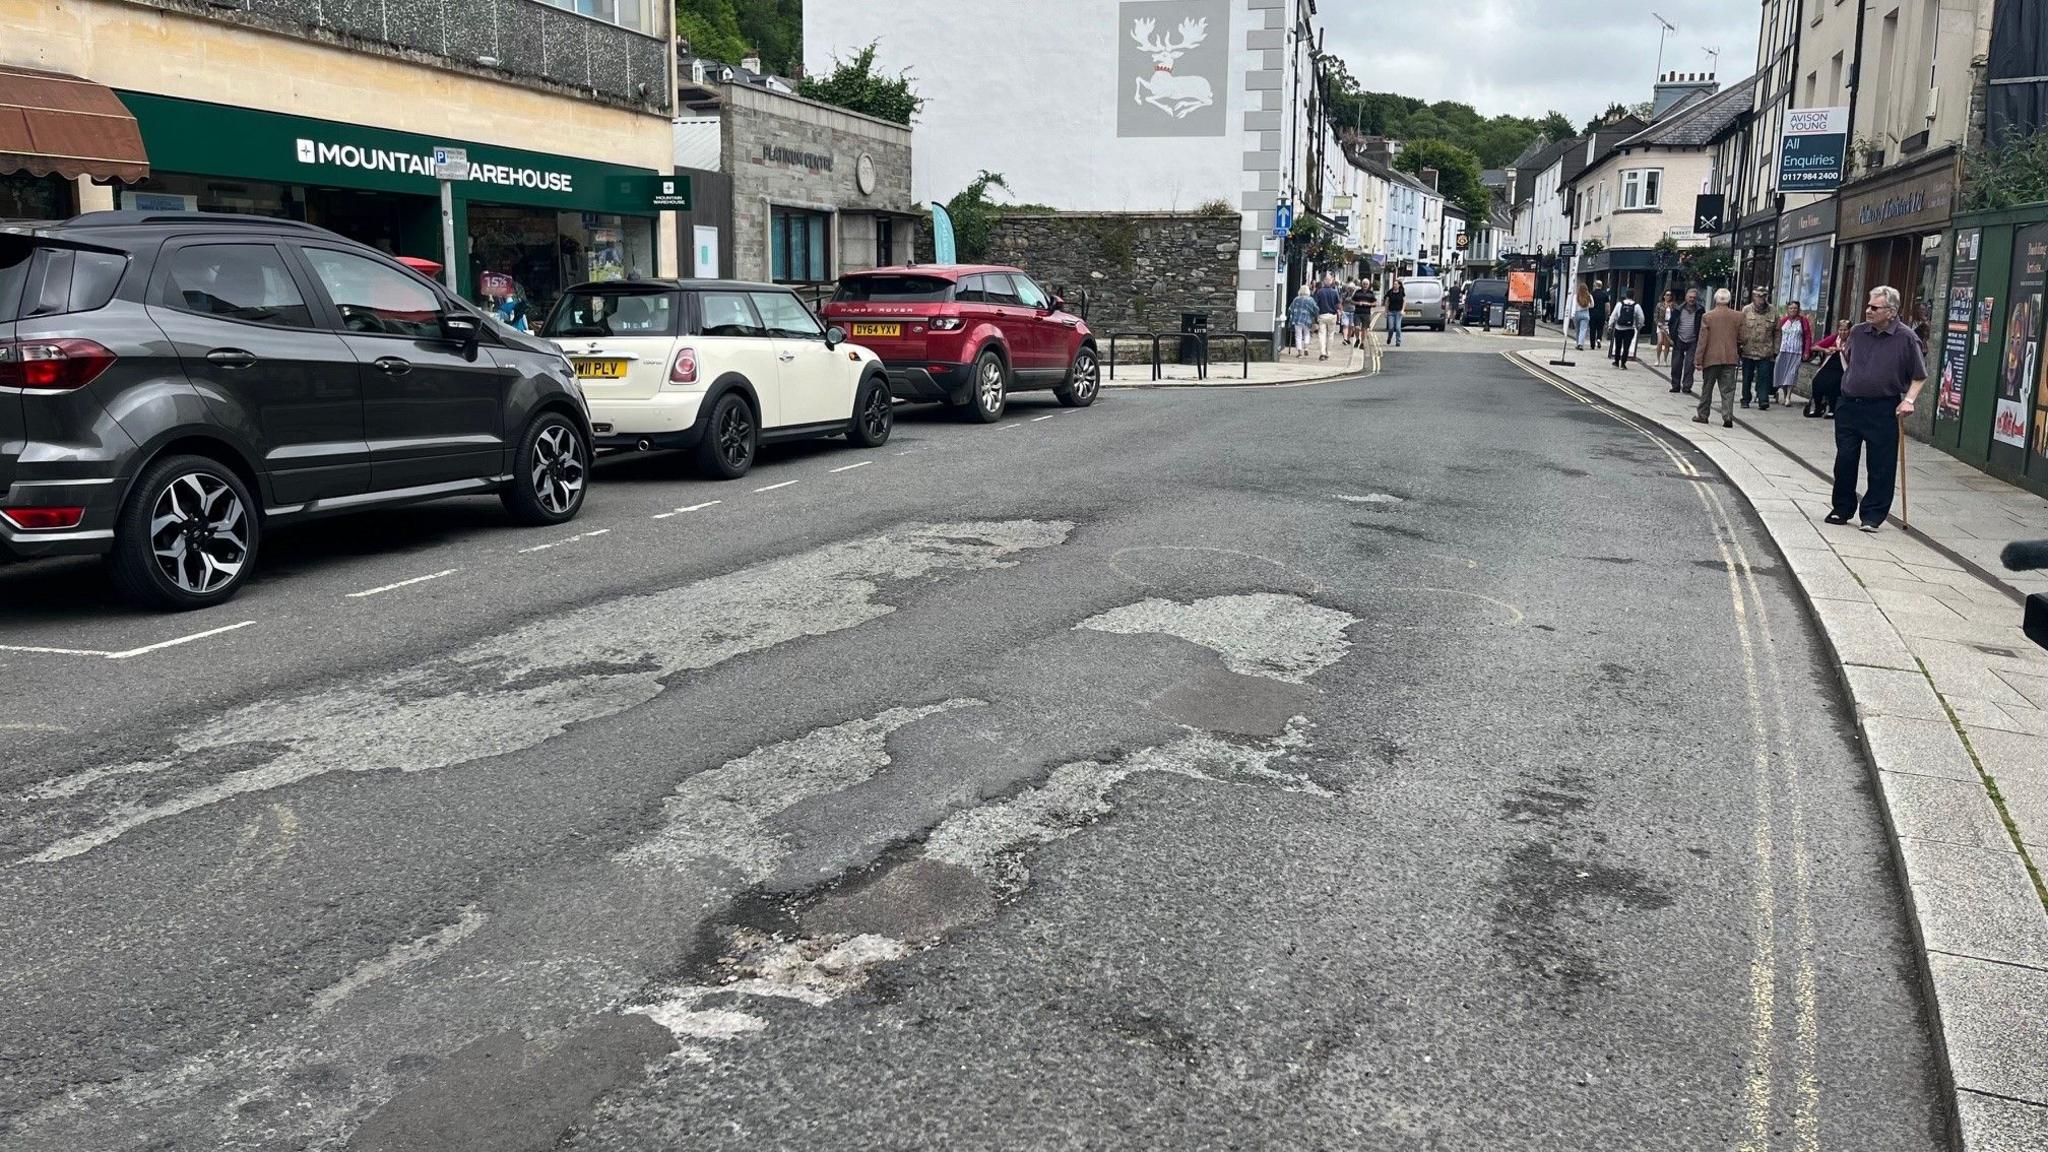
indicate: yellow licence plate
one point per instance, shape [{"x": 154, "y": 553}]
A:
[
  {"x": 878, "y": 329},
  {"x": 601, "y": 369}
]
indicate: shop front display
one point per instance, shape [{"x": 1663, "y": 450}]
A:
[
  {"x": 543, "y": 221},
  {"x": 1805, "y": 252},
  {"x": 1890, "y": 232}
]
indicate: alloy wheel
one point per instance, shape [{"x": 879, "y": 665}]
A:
[
  {"x": 1087, "y": 375},
  {"x": 991, "y": 384},
  {"x": 736, "y": 436},
  {"x": 558, "y": 470},
  {"x": 197, "y": 531},
  {"x": 875, "y": 417}
]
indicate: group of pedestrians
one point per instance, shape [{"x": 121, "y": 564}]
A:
[
  {"x": 1342, "y": 310},
  {"x": 1869, "y": 380}
]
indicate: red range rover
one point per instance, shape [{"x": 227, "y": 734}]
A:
[{"x": 967, "y": 335}]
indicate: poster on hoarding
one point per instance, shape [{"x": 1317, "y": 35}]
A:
[
  {"x": 2022, "y": 336},
  {"x": 1959, "y": 325},
  {"x": 1521, "y": 287}
]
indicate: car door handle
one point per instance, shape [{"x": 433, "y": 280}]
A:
[
  {"x": 785, "y": 357},
  {"x": 392, "y": 365},
  {"x": 231, "y": 358}
]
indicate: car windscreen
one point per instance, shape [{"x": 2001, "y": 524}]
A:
[
  {"x": 615, "y": 312},
  {"x": 894, "y": 288},
  {"x": 1422, "y": 291},
  {"x": 1488, "y": 288}
]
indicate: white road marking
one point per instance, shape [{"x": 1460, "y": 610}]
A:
[
  {"x": 1370, "y": 498},
  {"x": 180, "y": 640},
  {"x": 1010, "y": 425},
  {"x": 570, "y": 540},
  {"x": 689, "y": 508},
  {"x": 30, "y": 648},
  {"x": 1036, "y": 419},
  {"x": 851, "y": 467},
  {"x": 773, "y": 487},
  {"x": 404, "y": 583},
  {"x": 908, "y": 451}
]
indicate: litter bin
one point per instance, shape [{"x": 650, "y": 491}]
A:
[
  {"x": 1194, "y": 329},
  {"x": 1525, "y": 320}
]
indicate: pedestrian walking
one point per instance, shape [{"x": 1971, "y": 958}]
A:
[
  {"x": 1396, "y": 299},
  {"x": 1795, "y": 340},
  {"x": 1601, "y": 302},
  {"x": 1329, "y": 302},
  {"x": 1347, "y": 315},
  {"x": 1301, "y": 312},
  {"x": 1827, "y": 382},
  {"x": 1684, "y": 330},
  {"x": 1582, "y": 315},
  {"x": 1622, "y": 326},
  {"x": 1362, "y": 302},
  {"x": 1887, "y": 367},
  {"x": 1719, "y": 357},
  {"x": 1665, "y": 308},
  {"x": 1759, "y": 349}
]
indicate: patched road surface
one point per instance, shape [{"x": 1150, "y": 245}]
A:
[{"x": 1427, "y": 761}]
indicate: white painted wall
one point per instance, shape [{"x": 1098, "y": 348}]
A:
[{"x": 1034, "y": 92}]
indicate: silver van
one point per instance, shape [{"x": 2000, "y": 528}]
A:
[{"x": 1425, "y": 307}]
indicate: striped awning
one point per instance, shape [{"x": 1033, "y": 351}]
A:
[{"x": 50, "y": 122}]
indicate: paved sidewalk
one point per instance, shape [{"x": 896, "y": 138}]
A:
[
  {"x": 1952, "y": 702},
  {"x": 1228, "y": 370}
]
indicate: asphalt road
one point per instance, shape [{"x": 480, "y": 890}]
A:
[{"x": 1426, "y": 761}]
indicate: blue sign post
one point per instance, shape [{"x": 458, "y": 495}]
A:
[{"x": 1283, "y": 218}]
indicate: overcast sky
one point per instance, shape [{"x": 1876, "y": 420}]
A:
[{"x": 1529, "y": 56}]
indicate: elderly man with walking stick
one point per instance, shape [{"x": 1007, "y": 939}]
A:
[{"x": 1886, "y": 368}]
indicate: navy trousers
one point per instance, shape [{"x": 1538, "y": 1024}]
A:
[{"x": 1866, "y": 424}]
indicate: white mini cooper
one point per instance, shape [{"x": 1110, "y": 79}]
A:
[{"x": 715, "y": 367}]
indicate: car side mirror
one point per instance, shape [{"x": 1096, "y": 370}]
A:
[
  {"x": 835, "y": 336},
  {"x": 461, "y": 328},
  {"x": 1059, "y": 303}
]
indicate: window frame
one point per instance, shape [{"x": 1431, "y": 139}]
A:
[
  {"x": 339, "y": 322},
  {"x": 320, "y": 316},
  {"x": 1641, "y": 180},
  {"x": 1007, "y": 298},
  {"x": 781, "y": 219},
  {"x": 754, "y": 297},
  {"x": 760, "y": 328}
]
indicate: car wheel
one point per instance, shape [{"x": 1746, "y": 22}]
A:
[
  {"x": 730, "y": 440},
  {"x": 874, "y": 414},
  {"x": 550, "y": 472},
  {"x": 1084, "y": 381},
  {"x": 187, "y": 536},
  {"x": 991, "y": 388}
]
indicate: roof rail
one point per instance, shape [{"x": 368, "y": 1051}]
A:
[{"x": 131, "y": 219}]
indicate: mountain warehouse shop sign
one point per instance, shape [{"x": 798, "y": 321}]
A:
[{"x": 328, "y": 154}]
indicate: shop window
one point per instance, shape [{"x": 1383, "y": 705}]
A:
[
  {"x": 797, "y": 240},
  {"x": 374, "y": 298},
  {"x": 245, "y": 282},
  {"x": 783, "y": 316},
  {"x": 1642, "y": 188},
  {"x": 728, "y": 314},
  {"x": 26, "y": 197}
]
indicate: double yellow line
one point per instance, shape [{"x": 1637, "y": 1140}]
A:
[{"x": 1761, "y": 680}]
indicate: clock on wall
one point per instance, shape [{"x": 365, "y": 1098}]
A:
[{"x": 864, "y": 174}]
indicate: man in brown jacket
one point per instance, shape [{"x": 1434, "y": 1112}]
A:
[
  {"x": 1759, "y": 349},
  {"x": 1719, "y": 356}
]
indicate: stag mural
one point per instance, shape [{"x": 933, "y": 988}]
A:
[{"x": 1175, "y": 95}]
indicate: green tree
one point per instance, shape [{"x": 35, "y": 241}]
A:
[
  {"x": 974, "y": 216},
  {"x": 854, "y": 84},
  {"x": 729, "y": 30},
  {"x": 1457, "y": 174},
  {"x": 713, "y": 29},
  {"x": 1557, "y": 126}
]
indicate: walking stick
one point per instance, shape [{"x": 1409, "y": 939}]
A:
[{"x": 1905, "y": 510}]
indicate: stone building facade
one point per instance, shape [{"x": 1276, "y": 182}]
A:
[{"x": 817, "y": 191}]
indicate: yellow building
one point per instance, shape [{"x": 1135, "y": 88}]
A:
[{"x": 333, "y": 114}]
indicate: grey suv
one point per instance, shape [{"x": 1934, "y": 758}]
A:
[{"x": 173, "y": 385}]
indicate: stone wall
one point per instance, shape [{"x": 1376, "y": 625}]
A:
[{"x": 1129, "y": 271}]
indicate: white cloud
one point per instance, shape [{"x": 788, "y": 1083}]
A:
[{"x": 1527, "y": 57}]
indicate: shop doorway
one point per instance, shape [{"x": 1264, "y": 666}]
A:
[{"x": 398, "y": 225}]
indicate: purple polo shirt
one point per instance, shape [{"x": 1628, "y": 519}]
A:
[{"x": 1882, "y": 365}]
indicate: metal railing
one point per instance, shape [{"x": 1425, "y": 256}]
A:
[{"x": 1201, "y": 340}]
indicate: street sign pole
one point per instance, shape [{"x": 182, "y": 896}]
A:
[
  {"x": 1567, "y": 251},
  {"x": 450, "y": 165}
]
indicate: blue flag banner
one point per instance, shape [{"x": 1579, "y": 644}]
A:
[{"x": 942, "y": 235}]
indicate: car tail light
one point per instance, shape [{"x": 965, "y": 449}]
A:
[
  {"x": 42, "y": 519},
  {"x": 945, "y": 323},
  {"x": 684, "y": 370},
  {"x": 52, "y": 365}
]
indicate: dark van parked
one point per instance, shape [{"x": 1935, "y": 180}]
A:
[
  {"x": 172, "y": 385},
  {"x": 1481, "y": 295}
]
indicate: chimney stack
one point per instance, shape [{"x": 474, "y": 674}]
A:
[
  {"x": 1428, "y": 176},
  {"x": 751, "y": 62}
]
